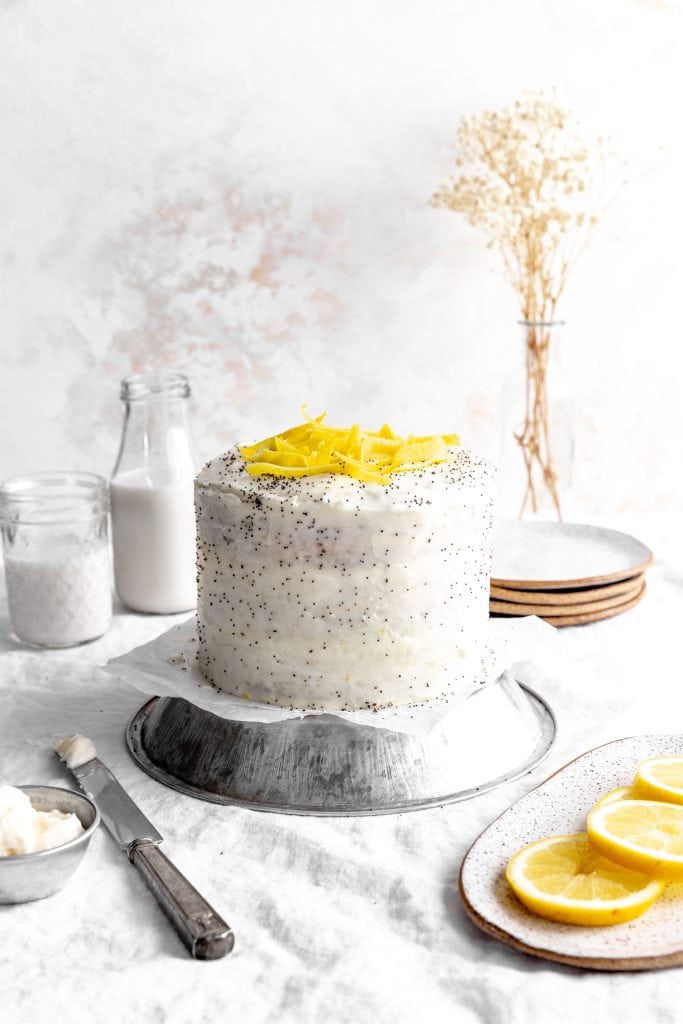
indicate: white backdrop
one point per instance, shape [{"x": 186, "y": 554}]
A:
[{"x": 240, "y": 191}]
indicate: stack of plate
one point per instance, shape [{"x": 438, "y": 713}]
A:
[{"x": 566, "y": 573}]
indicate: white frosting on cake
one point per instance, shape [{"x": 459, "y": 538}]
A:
[{"x": 325, "y": 592}]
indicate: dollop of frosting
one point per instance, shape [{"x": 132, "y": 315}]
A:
[
  {"x": 75, "y": 750},
  {"x": 25, "y": 830},
  {"x": 313, "y": 448}
]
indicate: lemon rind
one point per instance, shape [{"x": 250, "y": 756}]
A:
[
  {"x": 657, "y": 865},
  {"x": 587, "y": 913},
  {"x": 653, "y": 789},
  {"x": 625, "y": 793},
  {"x": 313, "y": 449}
]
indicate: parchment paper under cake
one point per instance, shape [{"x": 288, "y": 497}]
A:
[{"x": 167, "y": 667}]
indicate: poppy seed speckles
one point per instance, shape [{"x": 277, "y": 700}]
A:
[{"x": 325, "y": 592}]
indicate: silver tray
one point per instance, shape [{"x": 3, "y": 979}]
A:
[{"x": 321, "y": 765}]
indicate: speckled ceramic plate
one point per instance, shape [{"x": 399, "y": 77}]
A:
[
  {"x": 559, "y": 806},
  {"x": 550, "y": 556}
]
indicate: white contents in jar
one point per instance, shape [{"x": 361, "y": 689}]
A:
[
  {"x": 153, "y": 532},
  {"x": 60, "y": 591},
  {"x": 25, "y": 830}
]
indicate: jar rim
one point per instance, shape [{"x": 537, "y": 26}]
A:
[
  {"x": 154, "y": 385},
  {"x": 54, "y": 496}
]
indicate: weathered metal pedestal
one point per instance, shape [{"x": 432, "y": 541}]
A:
[{"x": 322, "y": 765}]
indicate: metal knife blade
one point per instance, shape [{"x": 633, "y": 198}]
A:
[
  {"x": 204, "y": 932},
  {"x": 122, "y": 817}
]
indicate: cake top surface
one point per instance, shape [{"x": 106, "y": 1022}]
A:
[{"x": 463, "y": 478}]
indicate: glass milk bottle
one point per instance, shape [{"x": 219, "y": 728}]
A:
[{"x": 152, "y": 501}]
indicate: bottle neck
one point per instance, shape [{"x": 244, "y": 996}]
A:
[
  {"x": 156, "y": 444},
  {"x": 146, "y": 387}
]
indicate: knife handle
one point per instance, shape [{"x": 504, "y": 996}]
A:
[{"x": 203, "y": 931}]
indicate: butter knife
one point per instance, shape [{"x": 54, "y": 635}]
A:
[{"x": 204, "y": 932}]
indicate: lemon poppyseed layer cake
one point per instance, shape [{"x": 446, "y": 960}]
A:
[{"x": 342, "y": 569}]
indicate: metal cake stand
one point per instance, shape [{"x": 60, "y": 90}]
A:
[{"x": 322, "y": 765}]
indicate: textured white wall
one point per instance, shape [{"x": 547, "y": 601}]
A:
[{"x": 240, "y": 191}]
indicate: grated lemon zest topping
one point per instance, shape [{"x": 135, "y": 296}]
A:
[{"x": 314, "y": 448}]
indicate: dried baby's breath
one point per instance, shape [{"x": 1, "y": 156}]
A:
[{"x": 527, "y": 179}]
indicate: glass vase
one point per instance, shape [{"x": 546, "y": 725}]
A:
[{"x": 537, "y": 427}]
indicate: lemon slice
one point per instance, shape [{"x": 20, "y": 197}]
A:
[
  {"x": 564, "y": 879},
  {"x": 645, "y": 835},
  {"x": 622, "y": 793},
  {"x": 660, "y": 778}
]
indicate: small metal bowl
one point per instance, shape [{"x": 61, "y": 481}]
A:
[{"x": 33, "y": 876}]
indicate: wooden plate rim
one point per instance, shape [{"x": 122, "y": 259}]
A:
[
  {"x": 587, "y": 617},
  {"x": 559, "y": 598},
  {"x": 579, "y": 620},
  {"x": 565, "y": 610},
  {"x": 595, "y": 963},
  {"x": 586, "y": 581},
  {"x": 622, "y": 574}
]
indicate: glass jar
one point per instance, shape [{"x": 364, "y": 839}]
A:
[
  {"x": 537, "y": 426},
  {"x": 152, "y": 497},
  {"x": 56, "y": 552}
]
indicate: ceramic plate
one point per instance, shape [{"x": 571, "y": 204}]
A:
[
  {"x": 586, "y": 617},
  {"x": 559, "y": 806},
  {"x": 571, "y": 596},
  {"x": 548, "y": 556},
  {"x": 544, "y": 610}
]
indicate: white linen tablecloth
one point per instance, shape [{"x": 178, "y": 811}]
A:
[{"x": 336, "y": 920}]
